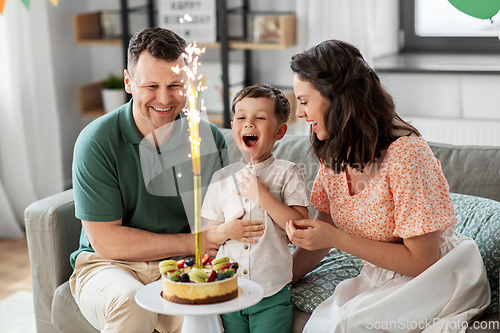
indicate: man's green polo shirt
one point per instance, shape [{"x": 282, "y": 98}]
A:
[{"x": 119, "y": 175}]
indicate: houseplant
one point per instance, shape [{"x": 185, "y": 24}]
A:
[{"x": 113, "y": 94}]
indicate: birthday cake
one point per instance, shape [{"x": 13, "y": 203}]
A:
[{"x": 184, "y": 283}]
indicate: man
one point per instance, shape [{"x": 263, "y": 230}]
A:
[{"x": 133, "y": 216}]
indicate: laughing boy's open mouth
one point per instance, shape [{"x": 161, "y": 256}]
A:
[{"x": 250, "y": 140}]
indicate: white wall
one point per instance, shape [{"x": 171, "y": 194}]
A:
[
  {"x": 468, "y": 96},
  {"x": 71, "y": 64},
  {"x": 450, "y": 108}
]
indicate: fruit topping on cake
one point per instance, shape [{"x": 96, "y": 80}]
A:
[
  {"x": 185, "y": 271},
  {"x": 167, "y": 266}
]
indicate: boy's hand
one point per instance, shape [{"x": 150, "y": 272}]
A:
[
  {"x": 251, "y": 186},
  {"x": 241, "y": 230}
]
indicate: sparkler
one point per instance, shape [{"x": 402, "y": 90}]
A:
[{"x": 193, "y": 86}]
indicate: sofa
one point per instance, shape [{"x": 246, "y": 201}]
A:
[{"x": 473, "y": 173}]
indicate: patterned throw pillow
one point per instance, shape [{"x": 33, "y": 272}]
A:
[
  {"x": 478, "y": 218},
  {"x": 319, "y": 284}
]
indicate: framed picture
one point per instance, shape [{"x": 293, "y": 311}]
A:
[
  {"x": 265, "y": 28},
  {"x": 195, "y": 21}
]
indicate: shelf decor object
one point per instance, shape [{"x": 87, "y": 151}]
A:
[
  {"x": 265, "y": 29},
  {"x": 275, "y": 31},
  {"x": 113, "y": 93},
  {"x": 88, "y": 29}
]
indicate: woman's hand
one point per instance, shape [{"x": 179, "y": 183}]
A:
[{"x": 311, "y": 234}]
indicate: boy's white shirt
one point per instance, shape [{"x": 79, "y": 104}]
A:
[{"x": 268, "y": 261}]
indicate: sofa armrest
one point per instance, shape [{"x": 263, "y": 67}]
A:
[{"x": 52, "y": 232}]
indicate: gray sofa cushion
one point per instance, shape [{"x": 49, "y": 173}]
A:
[
  {"x": 478, "y": 218},
  {"x": 472, "y": 170},
  {"x": 63, "y": 304}
]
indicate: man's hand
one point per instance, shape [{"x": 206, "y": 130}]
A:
[
  {"x": 251, "y": 186},
  {"x": 207, "y": 247}
]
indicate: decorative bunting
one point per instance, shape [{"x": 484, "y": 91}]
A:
[{"x": 26, "y": 3}]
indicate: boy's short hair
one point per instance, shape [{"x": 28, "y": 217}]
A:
[
  {"x": 281, "y": 103},
  {"x": 162, "y": 43}
]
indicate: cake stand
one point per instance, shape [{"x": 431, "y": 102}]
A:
[{"x": 199, "y": 318}]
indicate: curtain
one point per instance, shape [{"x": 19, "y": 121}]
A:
[
  {"x": 30, "y": 144},
  {"x": 370, "y": 25}
]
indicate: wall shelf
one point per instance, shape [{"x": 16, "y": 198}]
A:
[
  {"x": 90, "y": 99},
  {"x": 88, "y": 31},
  {"x": 287, "y": 23}
]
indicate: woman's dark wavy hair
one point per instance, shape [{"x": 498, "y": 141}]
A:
[{"x": 362, "y": 119}]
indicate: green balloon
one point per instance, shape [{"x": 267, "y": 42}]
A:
[{"x": 481, "y": 9}]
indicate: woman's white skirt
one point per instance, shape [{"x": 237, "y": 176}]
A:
[{"x": 443, "y": 298}]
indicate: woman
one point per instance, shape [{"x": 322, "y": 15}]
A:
[{"x": 380, "y": 195}]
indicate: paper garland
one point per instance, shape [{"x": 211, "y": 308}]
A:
[{"x": 26, "y": 3}]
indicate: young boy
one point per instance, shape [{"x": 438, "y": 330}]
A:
[{"x": 248, "y": 204}]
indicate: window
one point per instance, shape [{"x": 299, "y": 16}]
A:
[{"x": 437, "y": 26}]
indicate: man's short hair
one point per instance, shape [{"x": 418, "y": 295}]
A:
[
  {"x": 281, "y": 103},
  {"x": 162, "y": 43}
]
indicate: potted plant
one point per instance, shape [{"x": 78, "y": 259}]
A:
[{"x": 113, "y": 93}]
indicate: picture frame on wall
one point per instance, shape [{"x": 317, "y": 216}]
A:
[{"x": 195, "y": 21}]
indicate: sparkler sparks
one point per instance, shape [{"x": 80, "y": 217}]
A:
[
  {"x": 193, "y": 86},
  {"x": 185, "y": 18}
]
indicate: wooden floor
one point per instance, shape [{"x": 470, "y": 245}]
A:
[{"x": 15, "y": 273}]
